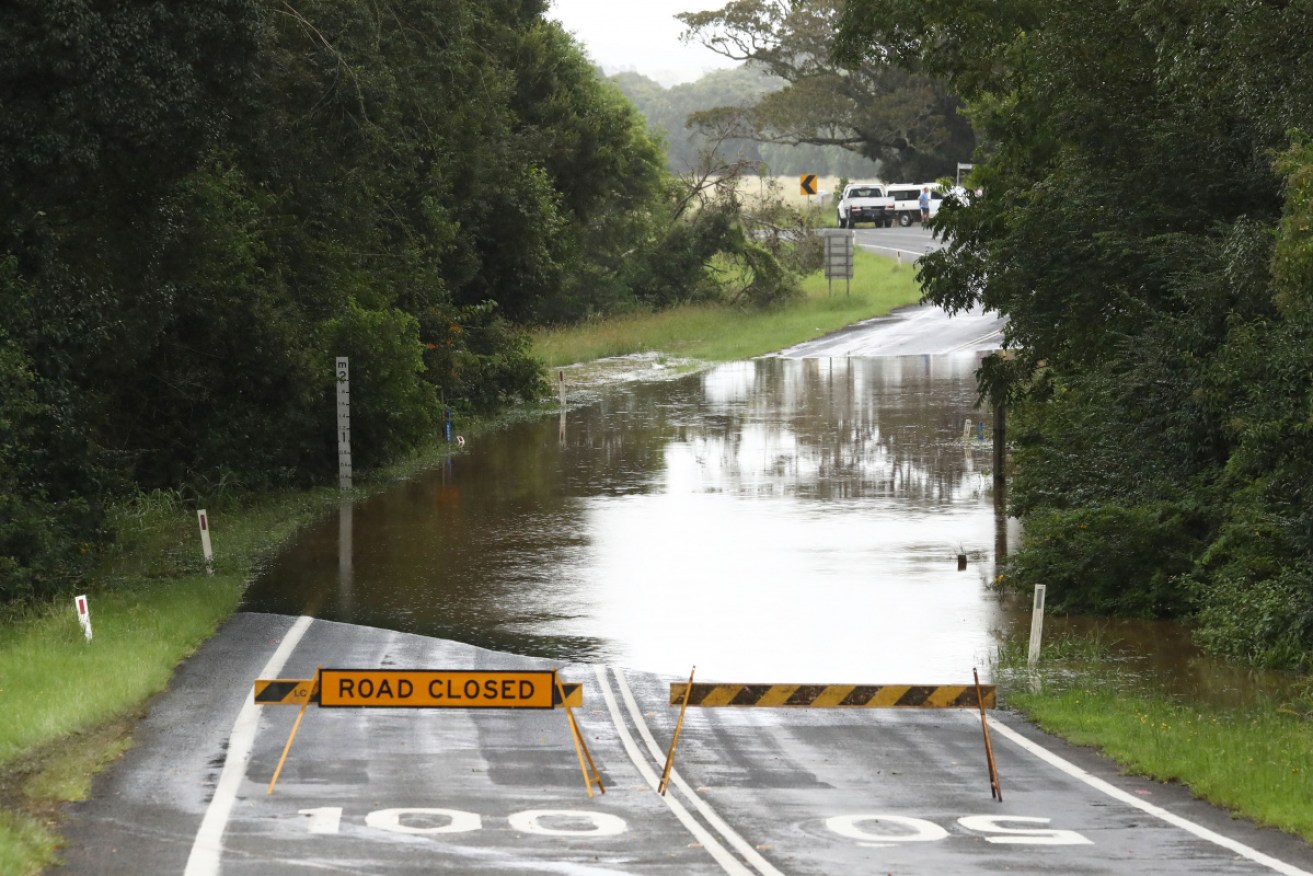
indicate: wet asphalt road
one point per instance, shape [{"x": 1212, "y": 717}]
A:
[
  {"x": 755, "y": 791},
  {"x": 912, "y": 331}
]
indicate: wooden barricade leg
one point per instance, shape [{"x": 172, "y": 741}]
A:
[
  {"x": 674, "y": 740},
  {"x": 995, "y": 789},
  {"x": 580, "y": 746},
  {"x": 314, "y": 691}
]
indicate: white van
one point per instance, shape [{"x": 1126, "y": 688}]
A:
[{"x": 907, "y": 201}]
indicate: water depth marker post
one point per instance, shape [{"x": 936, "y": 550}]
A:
[{"x": 343, "y": 424}]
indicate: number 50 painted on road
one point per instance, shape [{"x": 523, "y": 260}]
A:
[{"x": 906, "y": 829}]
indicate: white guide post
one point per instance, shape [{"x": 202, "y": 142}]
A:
[
  {"x": 1036, "y": 627},
  {"x": 203, "y": 520},
  {"x": 84, "y": 615}
]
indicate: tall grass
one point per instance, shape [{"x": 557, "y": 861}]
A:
[
  {"x": 151, "y": 604},
  {"x": 1255, "y": 760},
  {"x": 718, "y": 333}
]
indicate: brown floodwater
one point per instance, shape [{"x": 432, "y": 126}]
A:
[{"x": 773, "y": 520}]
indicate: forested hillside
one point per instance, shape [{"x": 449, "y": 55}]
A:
[
  {"x": 668, "y": 111},
  {"x": 1148, "y": 194},
  {"x": 203, "y": 203}
]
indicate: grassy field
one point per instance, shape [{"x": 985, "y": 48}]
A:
[{"x": 719, "y": 334}]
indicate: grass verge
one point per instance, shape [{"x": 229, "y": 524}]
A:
[
  {"x": 67, "y": 706},
  {"x": 1256, "y": 761},
  {"x": 720, "y": 334}
]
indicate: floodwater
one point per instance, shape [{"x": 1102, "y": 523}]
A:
[
  {"x": 769, "y": 520},
  {"x": 775, "y": 520}
]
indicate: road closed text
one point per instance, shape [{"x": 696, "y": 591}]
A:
[{"x": 435, "y": 688}]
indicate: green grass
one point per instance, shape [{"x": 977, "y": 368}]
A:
[
  {"x": 721, "y": 334},
  {"x": 67, "y": 705},
  {"x": 1256, "y": 761}
]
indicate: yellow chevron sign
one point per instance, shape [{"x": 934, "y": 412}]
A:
[
  {"x": 807, "y": 184},
  {"x": 860, "y": 696}
]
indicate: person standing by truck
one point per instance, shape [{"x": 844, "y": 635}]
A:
[{"x": 924, "y": 203}]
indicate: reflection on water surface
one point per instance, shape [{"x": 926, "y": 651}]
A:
[{"x": 774, "y": 520}]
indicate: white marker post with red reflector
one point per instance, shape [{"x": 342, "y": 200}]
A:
[
  {"x": 204, "y": 521},
  {"x": 84, "y": 615}
]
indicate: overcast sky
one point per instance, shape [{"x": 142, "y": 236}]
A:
[{"x": 640, "y": 35}]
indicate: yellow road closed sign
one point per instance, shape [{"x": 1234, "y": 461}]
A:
[{"x": 437, "y": 688}]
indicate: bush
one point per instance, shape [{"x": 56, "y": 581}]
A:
[{"x": 1108, "y": 559}]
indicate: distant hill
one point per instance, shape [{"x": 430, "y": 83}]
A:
[{"x": 667, "y": 111}]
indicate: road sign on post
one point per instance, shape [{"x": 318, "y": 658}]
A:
[
  {"x": 428, "y": 689},
  {"x": 436, "y": 689},
  {"x": 807, "y": 184},
  {"x": 838, "y": 257}
]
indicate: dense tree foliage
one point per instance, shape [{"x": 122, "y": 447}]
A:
[
  {"x": 906, "y": 120},
  {"x": 203, "y": 203},
  {"x": 1151, "y": 253}
]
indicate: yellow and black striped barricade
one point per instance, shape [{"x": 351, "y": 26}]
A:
[
  {"x": 856, "y": 696},
  {"x": 836, "y": 696},
  {"x": 429, "y": 689}
]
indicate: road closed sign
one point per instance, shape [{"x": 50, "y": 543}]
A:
[{"x": 436, "y": 688}]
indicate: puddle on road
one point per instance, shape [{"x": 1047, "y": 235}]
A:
[{"x": 771, "y": 520}]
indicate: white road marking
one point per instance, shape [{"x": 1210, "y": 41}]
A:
[
  {"x": 603, "y": 823},
  {"x": 977, "y": 342},
  {"x": 457, "y": 821},
  {"x": 922, "y": 831},
  {"x": 728, "y": 862},
  {"x": 1015, "y": 836},
  {"x": 1116, "y": 793},
  {"x": 207, "y": 848},
  {"x": 744, "y": 848}
]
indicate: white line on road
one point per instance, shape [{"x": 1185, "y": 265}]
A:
[
  {"x": 974, "y": 343},
  {"x": 1156, "y": 811},
  {"x": 897, "y": 250},
  {"x": 744, "y": 848},
  {"x": 207, "y": 849},
  {"x": 728, "y": 862}
]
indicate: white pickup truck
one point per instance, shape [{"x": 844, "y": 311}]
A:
[{"x": 866, "y": 202}]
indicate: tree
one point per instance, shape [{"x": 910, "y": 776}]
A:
[
  {"x": 202, "y": 204},
  {"x": 1156, "y": 338},
  {"x": 907, "y": 121},
  {"x": 668, "y": 110}
]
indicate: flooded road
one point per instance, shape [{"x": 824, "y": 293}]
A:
[{"x": 771, "y": 520}]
